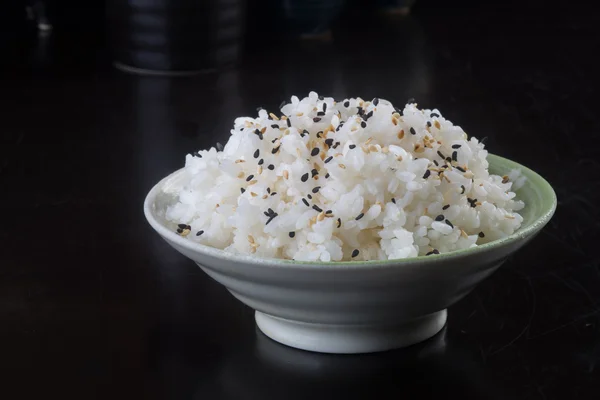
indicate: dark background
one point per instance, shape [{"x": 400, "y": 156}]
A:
[{"x": 93, "y": 304}]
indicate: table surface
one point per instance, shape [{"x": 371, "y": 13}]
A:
[{"x": 93, "y": 304}]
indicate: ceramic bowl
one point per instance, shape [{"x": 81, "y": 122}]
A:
[{"x": 356, "y": 307}]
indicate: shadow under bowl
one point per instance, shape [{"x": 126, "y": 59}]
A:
[{"x": 356, "y": 306}]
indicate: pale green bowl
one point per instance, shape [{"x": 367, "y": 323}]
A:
[{"x": 356, "y": 306}]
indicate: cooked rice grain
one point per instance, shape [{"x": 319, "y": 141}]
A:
[{"x": 400, "y": 185}]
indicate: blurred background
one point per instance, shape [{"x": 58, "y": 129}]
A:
[{"x": 191, "y": 36}]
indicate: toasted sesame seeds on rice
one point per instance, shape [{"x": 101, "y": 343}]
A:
[{"x": 388, "y": 195}]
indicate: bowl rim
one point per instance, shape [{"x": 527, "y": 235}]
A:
[{"x": 546, "y": 214}]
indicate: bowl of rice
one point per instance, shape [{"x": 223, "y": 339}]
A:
[{"x": 349, "y": 226}]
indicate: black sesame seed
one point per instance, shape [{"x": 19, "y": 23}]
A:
[
  {"x": 327, "y": 175},
  {"x": 271, "y": 167},
  {"x": 261, "y": 161},
  {"x": 360, "y": 111},
  {"x": 328, "y": 212},
  {"x": 275, "y": 126},
  {"x": 352, "y": 146},
  {"x": 179, "y": 230},
  {"x": 412, "y": 131},
  {"x": 271, "y": 218},
  {"x": 455, "y": 156},
  {"x": 355, "y": 253},
  {"x": 320, "y": 114},
  {"x": 304, "y": 177},
  {"x": 436, "y": 163},
  {"x": 268, "y": 190},
  {"x": 317, "y": 208},
  {"x": 410, "y": 101},
  {"x": 346, "y": 104},
  {"x": 434, "y": 115},
  {"x": 328, "y": 159},
  {"x": 456, "y": 146},
  {"x": 324, "y": 107},
  {"x": 219, "y": 146},
  {"x": 336, "y": 145},
  {"x": 363, "y": 124},
  {"x": 426, "y": 174},
  {"x": 314, "y": 172},
  {"x": 309, "y": 196},
  {"x": 273, "y": 194},
  {"x": 256, "y": 153},
  {"x": 481, "y": 234},
  {"x": 449, "y": 159},
  {"x": 359, "y": 216},
  {"x": 305, "y": 202},
  {"x": 316, "y": 119},
  {"x": 429, "y": 124},
  {"x": 369, "y": 115},
  {"x": 182, "y": 226},
  {"x": 449, "y": 224},
  {"x": 319, "y": 134},
  {"x": 329, "y": 142},
  {"x": 274, "y": 140},
  {"x": 436, "y": 251},
  {"x": 463, "y": 189},
  {"x": 289, "y": 122},
  {"x": 275, "y": 150},
  {"x": 375, "y": 101},
  {"x": 249, "y": 178},
  {"x": 242, "y": 190},
  {"x": 315, "y": 151},
  {"x": 447, "y": 206},
  {"x": 461, "y": 169},
  {"x": 316, "y": 189},
  {"x": 270, "y": 210},
  {"x": 339, "y": 222},
  {"x": 393, "y": 200},
  {"x": 439, "y": 218},
  {"x": 292, "y": 234},
  {"x": 430, "y": 253},
  {"x": 199, "y": 233},
  {"x": 441, "y": 154}
]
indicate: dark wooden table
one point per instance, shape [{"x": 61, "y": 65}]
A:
[{"x": 93, "y": 304}]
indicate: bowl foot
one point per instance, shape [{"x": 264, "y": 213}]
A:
[{"x": 347, "y": 339}]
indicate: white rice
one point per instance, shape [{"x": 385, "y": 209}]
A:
[{"x": 377, "y": 199}]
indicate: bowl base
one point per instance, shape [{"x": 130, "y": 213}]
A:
[{"x": 350, "y": 339}]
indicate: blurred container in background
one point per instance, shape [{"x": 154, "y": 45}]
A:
[
  {"x": 175, "y": 37},
  {"x": 395, "y": 7},
  {"x": 310, "y": 19}
]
